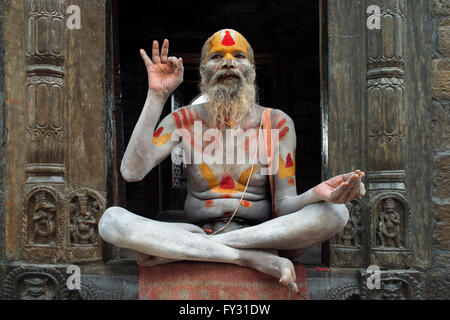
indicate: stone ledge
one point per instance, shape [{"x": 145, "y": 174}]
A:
[{"x": 214, "y": 281}]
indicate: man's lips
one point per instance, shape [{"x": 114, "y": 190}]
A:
[{"x": 228, "y": 77}]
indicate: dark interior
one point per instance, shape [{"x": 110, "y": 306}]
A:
[{"x": 285, "y": 37}]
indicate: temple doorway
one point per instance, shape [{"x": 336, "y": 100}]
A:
[{"x": 285, "y": 38}]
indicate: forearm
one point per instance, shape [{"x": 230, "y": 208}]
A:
[
  {"x": 292, "y": 204},
  {"x": 138, "y": 149}
]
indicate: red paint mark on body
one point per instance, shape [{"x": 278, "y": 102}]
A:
[
  {"x": 281, "y": 123},
  {"x": 208, "y": 204},
  {"x": 227, "y": 182},
  {"x": 289, "y": 162},
  {"x": 291, "y": 181},
  {"x": 191, "y": 117},
  {"x": 177, "y": 119},
  {"x": 246, "y": 204},
  {"x": 225, "y": 196},
  {"x": 185, "y": 119},
  {"x": 157, "y": 133},
  {"x": 283, "y": 132}
]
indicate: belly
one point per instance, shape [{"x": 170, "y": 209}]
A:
[{"x": 253, "y": 208}]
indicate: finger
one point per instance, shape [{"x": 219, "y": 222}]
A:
[
  {"x": 338, "y": 192},
  {"x": 147, "y": 60},
  {"x": 180, "y": 68},
  {"x": 355, "y": 191},
  {"x": 353, "y": 183},
  {"x": 346, "y": 191},
  {"x": 155, "y": 52},
  {"x": 172, "y": 62},
  {"x": 164, "y": 51}
]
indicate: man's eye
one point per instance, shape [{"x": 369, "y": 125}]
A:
[
  {"x": 240, "y": 56},
  {"x": 215, "y": 57}
]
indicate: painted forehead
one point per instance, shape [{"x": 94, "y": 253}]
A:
[{"x": 228, "y": 40}]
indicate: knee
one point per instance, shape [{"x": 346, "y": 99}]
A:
[
  {"x": 110, "y": 226},
  {"x": 340, "y": 212},
  {"x": 336, "y": 216}
]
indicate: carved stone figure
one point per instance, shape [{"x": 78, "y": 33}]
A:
[
  {"x": 83, "y": 215},
  {"x": 351, "y": 234},
  {"x": 388, "y": 231},
  {"x": 35, "y": 289},
  {"x": 43, "y": 219},
  {"x": 230, "y": 216}
]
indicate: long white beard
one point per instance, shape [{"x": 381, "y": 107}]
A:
[{"x": 230, "y": 99}]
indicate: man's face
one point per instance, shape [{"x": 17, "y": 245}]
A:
[{"x": 227, "y": 62}]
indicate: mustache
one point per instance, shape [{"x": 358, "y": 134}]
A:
[{"x": 222, "y": 74}]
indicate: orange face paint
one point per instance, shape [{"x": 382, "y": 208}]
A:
[{"x": 228, "y": 42}]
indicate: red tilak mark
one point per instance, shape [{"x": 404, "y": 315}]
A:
[
  {"x": 227, "y": 182},
  {"x": 185, "y": 118},
  {"x": 209, "y": 204},
  {"x": 157, "y": 133},
  {"x": 289, "y": 162},
  {"x": 191, "y": 117},
  {"x": 283, "y": 132},
  {"x": 320, "y": 269},
  {"x": 177, "y": 120},
  {"x": 282, "y": 122},
  {"x": 228, "y": 40}
]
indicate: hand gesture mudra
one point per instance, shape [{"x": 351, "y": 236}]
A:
[
  {"x": 165, "y": 73},
  {"x": 342, "y": 188}
]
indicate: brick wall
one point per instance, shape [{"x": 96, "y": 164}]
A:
[{"x": 441, "y": 133}]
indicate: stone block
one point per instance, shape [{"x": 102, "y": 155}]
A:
[
  {"x": 441, "y": 81},
  {"x": 214, "y": 281},
  {"x": 441, "y": 236},
  {"x": 441, "y": 167},
  {"x": 441, "y": 7},
  {"x": 441, "y": 126},
  {"x": 443, "y": 45}
]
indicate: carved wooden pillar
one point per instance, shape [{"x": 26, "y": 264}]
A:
[
  {"x": 45, "y": 141},
  {"x": 60, "y": 218},
  {"x": 386, "y": 207}
]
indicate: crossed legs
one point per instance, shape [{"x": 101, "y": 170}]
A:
[{"x": 253, "y": 247}]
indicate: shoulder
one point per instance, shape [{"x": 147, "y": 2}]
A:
[
  {"x": 183, "y": 117},
  {"x": 283, "y": 122}
]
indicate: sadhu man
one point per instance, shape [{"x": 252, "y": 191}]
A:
[{"x": 231, "y": 214}]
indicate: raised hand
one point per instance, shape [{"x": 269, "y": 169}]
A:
[
  {"x": 342, "y": 188},
  {"x": 165, "y": 74}
]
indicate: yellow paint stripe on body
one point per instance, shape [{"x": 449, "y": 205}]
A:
[{"x": 159, "y": 141}]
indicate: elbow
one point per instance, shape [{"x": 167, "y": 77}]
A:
[{"x": 129, "y": 176}]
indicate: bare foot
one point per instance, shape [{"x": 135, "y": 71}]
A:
[{"x": 271, "y": 264}]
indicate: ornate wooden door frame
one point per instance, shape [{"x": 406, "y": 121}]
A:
[{"x": 376, "y": 86}]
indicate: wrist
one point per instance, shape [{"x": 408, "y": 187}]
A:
[
  {"x": 314, "y": 196},
  {"x": 158, "y": 95}
]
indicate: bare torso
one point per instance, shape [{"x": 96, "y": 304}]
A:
[{"x": 215, "y": 190}]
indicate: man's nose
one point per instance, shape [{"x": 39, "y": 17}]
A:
[{"x": 228, "y": 63}]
